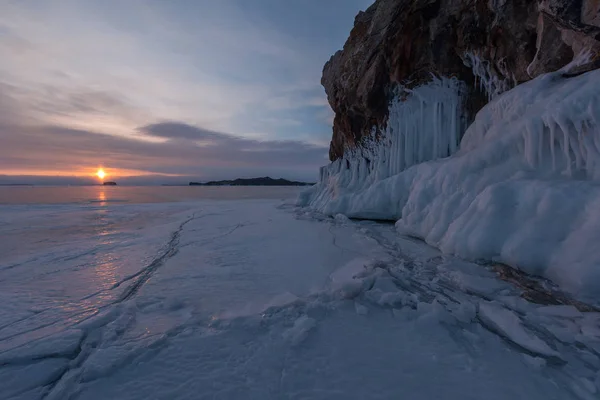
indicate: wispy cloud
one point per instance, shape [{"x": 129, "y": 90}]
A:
[{"x": 95, "y": 79}]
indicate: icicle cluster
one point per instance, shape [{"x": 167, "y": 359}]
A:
[
  {"x": 524, "y": 189},
  {"x": 426, "y": 126},
  {"x": 485, "y": 79},
  {"x": 558, "y": 131},
  {"x": 424, "y": 123},
  {"x": 569, "y": 146}
]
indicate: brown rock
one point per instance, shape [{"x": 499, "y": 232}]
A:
[
  {"x": 405, "y": 41},
  {"x": 590, "y": 12},
  {"x": 552, "y": 52}
]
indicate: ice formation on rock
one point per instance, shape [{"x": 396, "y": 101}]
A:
[
  {"x": 424, "y": 124},
  {"x": 485, "y": 79},
  {"x": 551, "y": 123},
  {"x": 523, "y": 189}
]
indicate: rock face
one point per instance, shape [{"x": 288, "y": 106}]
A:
[{"x": 405, "y": 41}]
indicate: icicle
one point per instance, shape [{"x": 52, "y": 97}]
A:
[
  {"x": 566, "y": 146},
  {"x": 407, "y": 145},
  {"x": 540, "y": 142},
  {"x": 552, "y": 127},
  {"x": 595, "y": 136},
  {"x": 425, "y": 125},
  {"x": 453, "y": 127},
  {"x": 421, "y": 146},
  {"x": 588, "y": 147},
  {"x": 484, "y": 78}
]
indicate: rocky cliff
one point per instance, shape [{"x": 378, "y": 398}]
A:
[{"x": 490, "y": 45}]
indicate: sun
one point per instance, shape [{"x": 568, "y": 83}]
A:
[{"x": 100, "y": 173}]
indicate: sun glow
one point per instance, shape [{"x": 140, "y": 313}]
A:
[{"x": 100, "y": 174}]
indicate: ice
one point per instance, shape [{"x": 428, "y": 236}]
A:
[
  {"x": 255, "y": 300},
  {"x": 485, "y": 79},
  {"x": 477, "y": 284},
  {"x": 584, "y": 56},
  {"x": 282, "y": 299},
  {"x": 361, "y": 309},
  {"x": 523, "y": 189},
  {"x": 560, "y": 311},
  {"x": 298, "y": 333},
  {"x": 535, "y": 362},
  {"x": 341, "y": 219},
  {"x": 21, "y": 378},
  {"x": 345, "y": 280},
  {"x": 464, "y": 312},
  {"x": 508, "y": 324},
  {"x": 63, "y": 344},
  {"x": 516, "y": 304},
  {"x": 424, "y": 124},
  {"x": 383, "y": 291},
  {"x": 591, "y": 326}
]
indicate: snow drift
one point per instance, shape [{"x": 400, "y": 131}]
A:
[{"x": 522, "y": 189}]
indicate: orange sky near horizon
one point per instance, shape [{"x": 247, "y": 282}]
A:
[{"x": 84, "y": 172}]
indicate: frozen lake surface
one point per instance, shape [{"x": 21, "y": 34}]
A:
[
  {"x": 104, "y": 195},
  {"x": 256, "y": 299}
]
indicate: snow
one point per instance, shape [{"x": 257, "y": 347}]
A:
[
  {"x": 256, "y": 299},
  {"x": 523, "y": 188}
]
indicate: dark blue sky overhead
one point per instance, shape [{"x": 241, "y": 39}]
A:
[{"x": 83, "y": 82}]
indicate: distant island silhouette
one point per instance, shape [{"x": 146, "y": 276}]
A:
[
  {"x": 263, "y": 181},
  {"x": 109, "y": 183}
]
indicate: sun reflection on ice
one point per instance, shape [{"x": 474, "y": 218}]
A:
[{"x": 102, "y": 197}]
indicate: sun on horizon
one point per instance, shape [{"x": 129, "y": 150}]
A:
[{"x": 100, "y": 174}]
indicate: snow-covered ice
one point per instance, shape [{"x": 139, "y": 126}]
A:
[
  {"x": 257, "y": 299},
  {"x": 522, "y": 189}
]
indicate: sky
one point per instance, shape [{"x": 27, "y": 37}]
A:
[{"x": 166, "y": 90}]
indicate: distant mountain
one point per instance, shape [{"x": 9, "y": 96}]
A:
[{"x": 264, "y": 181}]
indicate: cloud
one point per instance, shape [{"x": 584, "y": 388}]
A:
[
  {"x": 224, "y": 142},
  {"x": 81, "y": 82},
  {"x": 228, "y": 146},
  {"x": 179, "y": 130},
  {"x": 220, "y": 64},
  {"x": 68, "y": 150},
  {"x": 217, "y": 69},
  {"x": 30, "y": 145}
]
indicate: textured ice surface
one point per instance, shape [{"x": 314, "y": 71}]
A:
[
  {"x": 523, "y": 189},
  {"x": 507, "y": 323},
  {"x": 253, "y": 300}
]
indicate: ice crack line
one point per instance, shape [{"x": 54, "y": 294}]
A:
[
  {"x": 140, "y": 278},
  {"x": 150, "y": 269},
  {"x": 335, "y": 243}
]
